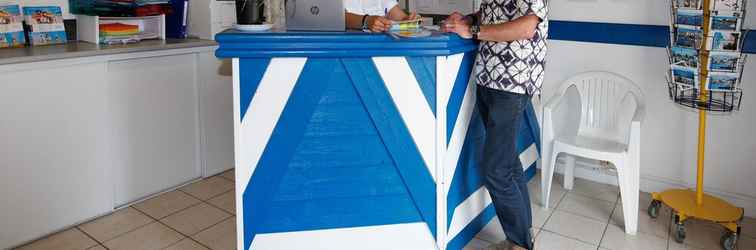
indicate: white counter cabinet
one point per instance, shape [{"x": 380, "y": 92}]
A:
[{"x": 82, "y": 136}]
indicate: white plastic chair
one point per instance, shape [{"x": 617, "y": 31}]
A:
[{"x": 595, "y": 115}]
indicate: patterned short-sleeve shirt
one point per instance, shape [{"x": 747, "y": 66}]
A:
[{"x": 516, "y": 66}]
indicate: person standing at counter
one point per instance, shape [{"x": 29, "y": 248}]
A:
[
  {"x": 374, "y": 15},
  {"x": 509, "y": 70}
]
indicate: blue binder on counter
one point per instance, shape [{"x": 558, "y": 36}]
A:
[{"x": 175, "y": 24}]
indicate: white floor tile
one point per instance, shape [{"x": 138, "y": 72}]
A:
[
  {"x": 476, "y": 244},
  {"x": 746, "y": 243},
  {"x": 596, "y": 190},
  {"x": 615, "y": 238},
  {"x": 492, "y": 232},
  {"x": 646, "y": 224},
  {"x": 576, "y": 226},
  {"x": 748, "y": 227},
  {"x": 701, "y": 234},
  {"x": 547, "y": 240},
  {"x": 540, "y": 215},
  {"x": 593, "y": 208}
]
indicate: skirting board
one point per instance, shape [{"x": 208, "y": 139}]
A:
[{"x": 589, "y": 170}]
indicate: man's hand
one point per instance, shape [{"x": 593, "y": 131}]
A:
[
  {"x": 412, "y": 16},
  {"x": 378, "y": 23},
  {"x": 460, "y": 26}
]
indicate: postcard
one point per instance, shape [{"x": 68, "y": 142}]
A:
[
  {"x": 46, "y": 24},
  {"x": 726, "y": 20},
  {"x": 722, "y": 81},
  {"x": 689, "y": 17},
  {"x": 688, "y": 4},
  {"x": 11, "y": 30},
  {"x": 722, "y": 40},
  {"x": 689, "y": 38},
  {"x": 685, "y": 76},
  {"x": 728, "y": 5},
  {"x": 724, "y": 61},
  {"x": 685, "y": 57}
]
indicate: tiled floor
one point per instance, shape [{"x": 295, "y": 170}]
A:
[
  {"x": 201, "y": 216},
  {"x": 197, "y": 216},
  {"x": 590, "y": 217}
]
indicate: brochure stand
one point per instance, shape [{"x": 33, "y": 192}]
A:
[{"x": 706, "y": 68}]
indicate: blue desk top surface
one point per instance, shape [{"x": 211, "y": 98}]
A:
[{"x": 335, "y": 44}]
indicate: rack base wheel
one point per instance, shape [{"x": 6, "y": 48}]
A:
[
  {"x": 729, "y": 240},
  {"x": 653, "y": 209},
  {"x": 679, "y": 232}
]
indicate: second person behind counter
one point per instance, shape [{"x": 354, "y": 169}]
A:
[{"x": 374, "y": 15}]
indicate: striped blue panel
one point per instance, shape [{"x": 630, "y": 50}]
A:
[
  {"x": 458, "y": 92},
  {"x": 326, "y": 165},
  {"x": 395, "y": 135},
  {"x": 253, "y": 69},
  {"x": 424, "y": 69}
]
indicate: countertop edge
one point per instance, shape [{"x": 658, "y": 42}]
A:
[{"x": 144, "y": 46}]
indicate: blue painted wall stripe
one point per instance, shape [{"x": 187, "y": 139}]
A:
[
  {"x": 253, "y": 69},
  {"x": 289, "y": 131},
  {"x": 625, "y": 34},
  {"x": 395, "y": 135}
]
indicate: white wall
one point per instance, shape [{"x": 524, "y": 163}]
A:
[{"x": 669, "y": 136}]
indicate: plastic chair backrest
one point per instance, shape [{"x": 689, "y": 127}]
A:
[{"x": 604, "y": 102}]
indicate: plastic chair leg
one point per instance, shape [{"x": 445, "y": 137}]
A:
[
  {"x": 569, "y": 172},
  {"x": 547, "y": 175},
  {"x": 629, "y": 181}
]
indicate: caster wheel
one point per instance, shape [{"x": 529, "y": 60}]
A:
[
  {"x": 653, "y": 209},
  {"x": 729, "y": 241},
  {"x": 679, "y": 233}
]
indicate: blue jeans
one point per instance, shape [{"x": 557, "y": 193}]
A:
[{"x": 500, "y": 166}]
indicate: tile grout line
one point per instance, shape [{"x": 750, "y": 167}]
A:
[
  {"x": 606, "y": 228},
  {"x": 211, "y": 197},
  {"x": 90, "y": 236},
  {"x": 213, "y": 205},
  {"x": 122, "y": 234},
  {"x": 568, "y": 237},
  {"x": 208, "y": 199},
  {"x": 177, "y": 231}
]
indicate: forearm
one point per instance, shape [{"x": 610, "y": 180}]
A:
[
  {"x": 522, "y": 28},
  {"x": 396, "y": 14},
  {"x": 353, "y": 21}
]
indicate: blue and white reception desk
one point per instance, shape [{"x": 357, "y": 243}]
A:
[{"x": 358, "y": 141}]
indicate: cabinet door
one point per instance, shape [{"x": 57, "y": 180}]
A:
[
  {"x": 217, "y": 113},
  {"x": 154, "y": 106},
  {"x": 54, "y": 153}
]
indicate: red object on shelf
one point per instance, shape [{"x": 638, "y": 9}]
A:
[{"x": 154, "y": 10}]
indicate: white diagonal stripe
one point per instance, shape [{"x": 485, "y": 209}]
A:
[
  {"x": 459, "y": 134},
  {"x": 252, "y": 134},
  {"x": 394, "y": 236},
  {"x": 410, "y": 100},
  {"x": 467, "y": 211},
  {"x": 529, "y": 156},
  {"x": 263, "y": 113}
]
